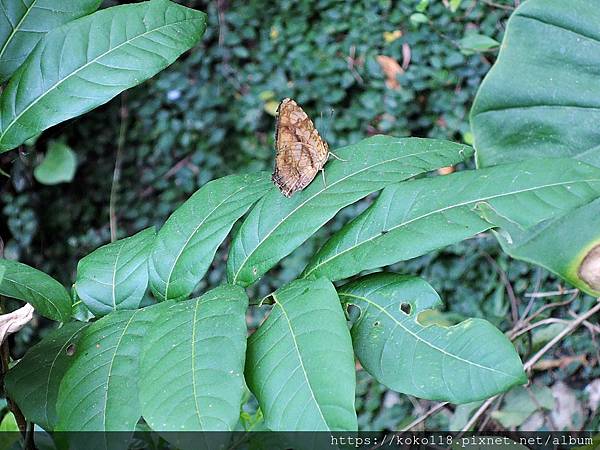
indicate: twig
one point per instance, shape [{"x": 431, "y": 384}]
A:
[
  {"x": 514, "y": 308},
  {"x": 553, "y": 305},
  {"x": 551, "y": 293},
  {"x": 124, "y": 113},
  {"x": 568, "y": 330},
  {"x": 535, "y": 358},
  {"x": 498, "y": 5},
  {"x": 478, "y": 414},
  {"x": 424, "y": 417},
  {"x": 539, "y": 323}
]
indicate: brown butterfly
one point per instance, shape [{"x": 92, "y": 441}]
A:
[{"x": 301, "y": 152}]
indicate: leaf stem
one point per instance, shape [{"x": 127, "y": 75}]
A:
[{"x": 124, "y": 114}]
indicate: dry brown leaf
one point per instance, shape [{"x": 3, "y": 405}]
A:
[
  {"x": 12, "y": 322},
  {"x": 391, "y": 70},
  {"x": 405, "y": 56},
  {"x": 446, "y": 170}
]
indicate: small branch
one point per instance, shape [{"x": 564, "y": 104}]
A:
[
  {"x": 514, "y": 305},
  {"x": 539, "y": 323},
  {"x": 551, "y": 293},
  {"x": 478, "y": 414},
  {"x": 535, "y": 358},
  {"x": 424, "y": 417},
  {"x": 568, "y": 330},
  {"x": 498, "y": 5},
  {"x": 114, "y": 189}
]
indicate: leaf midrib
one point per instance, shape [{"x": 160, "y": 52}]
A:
[
  {"x": 440, "y": 210},
  {"x": 58, "y": 311},
  {"x": 192, "y": 234},
  {"x": 93, "y": 61},
  {"x": 416, "y": 336},
  {"x": 16, "y": 28},
  {"x": 66, "y": 344},
  {"x": 311, "y": 198},
  {"x": 299, "y": 355},
  {"x": 110, "y": 367}
]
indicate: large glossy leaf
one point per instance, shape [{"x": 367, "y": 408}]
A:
[
  {"x": 412, "y": 218},
  {"x": 99, "y": 392},
  {"x": 193, "y": 363},
  {"x": 300, "y": 365},
  {"x": 553, "y": 244},
  {"x": 540, "y": 98},
  {"x": 115, "y": 276},
  {"x": 186, "y": 244},
  {"x": 85, "y": 63},
  {"x": 24, "y": 22},
  {"x": 48, "y": 296},
  {"x": 466, "y": 362},
  {"x": 33, "y": 383},
  {"x": 277, "y": 225}
]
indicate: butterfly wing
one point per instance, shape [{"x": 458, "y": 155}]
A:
[{"x": 301, "y": 152}]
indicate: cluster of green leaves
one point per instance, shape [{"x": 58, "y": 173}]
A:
[
  {"x": 210, "y": 115},
  {"x": 167, "y": 359}
]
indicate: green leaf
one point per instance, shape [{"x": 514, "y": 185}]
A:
[
  {"x": 469, "y": 361},
  {"x": 48, "y": 296},
  {"x": 58, "y": 165},
  {"x": 277, "y": 225},
  {"x": 186, "y": 244},
  {"x": 412, "y": 218},
  {"x": 476, "y": 43},
  {"x": 299, "y": 363},
  {"x": 99, "y": 392},
  {"x": 540, "y": 98},
  {"x": 85, "y": 63},
  {"x": 520, "y": 403},
  {"x": 23, "y": 23},
  {"x": 418, "y": 18},
  {"x": 553, "y": 244},
  {"x": 115, "y": 276},
  {"x": 193, "y": 363},
  {"x": 454, "y": 5},
  {"x": 33, "y": 383}
]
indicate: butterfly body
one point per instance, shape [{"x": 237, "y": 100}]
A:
[{"x": 301, "y": 152}]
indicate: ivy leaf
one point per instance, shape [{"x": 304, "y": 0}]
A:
[
  {"x": 278, "y": 225},
  {"x": 299, "y": 363},
  {"x": 477, "y": 43},
  {"x": 88, "y": 61},
  {"x": 186, "y": 244},
  {"x": 469, "y": 361},
  {"x": 58, "y": 165},
  {"x": 115, "y": 276},
  {"x": 48, "y": 296}
]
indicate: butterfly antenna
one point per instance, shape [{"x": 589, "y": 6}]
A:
[{"x": 324, "y": 182}]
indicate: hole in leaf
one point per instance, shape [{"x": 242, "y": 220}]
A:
[
  {"x": 406, "y": 308},
  {"x": 353, "y": 312},
  {"x": 70, "y": 350},
  {"x": 376, "y": 323}
]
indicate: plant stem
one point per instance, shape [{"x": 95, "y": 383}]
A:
[
  {"x": 124, "y": 113},
  {"x": 4, "y": 366}
]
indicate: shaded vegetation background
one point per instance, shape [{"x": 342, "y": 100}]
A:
[{"x": 212, "y": 114}]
